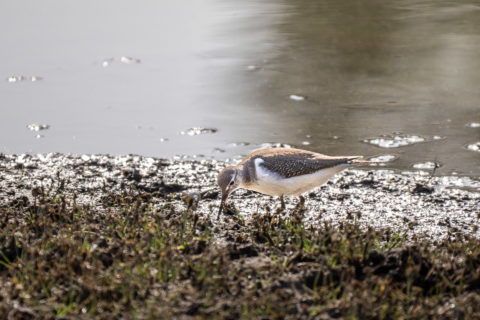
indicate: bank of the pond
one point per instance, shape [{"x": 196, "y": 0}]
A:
[
  {"x": 135, "y": 237},
  {"x": 415, "y": 203}
]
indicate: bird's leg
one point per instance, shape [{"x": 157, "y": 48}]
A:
[
  {"x": 301, "y": 203},
  {"x": 282, "y": 205}
]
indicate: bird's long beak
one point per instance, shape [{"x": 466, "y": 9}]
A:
[{"x": 222, "y": 203}]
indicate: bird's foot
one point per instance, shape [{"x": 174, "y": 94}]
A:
[
  {"x": 301, "y": 203},
  {"x": 282, "y": 206}
]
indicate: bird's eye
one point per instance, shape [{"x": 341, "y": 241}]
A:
[{"x": 232, "y": 182}]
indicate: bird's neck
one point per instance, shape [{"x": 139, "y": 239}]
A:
[{"x": 240, "y": 175}]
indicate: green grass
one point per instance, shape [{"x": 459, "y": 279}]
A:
[{"x": 135, "y": 261}]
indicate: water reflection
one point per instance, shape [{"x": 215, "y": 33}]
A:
[
  {"x": 372, "y": 68},
  {"x": 323, "y": 75}
]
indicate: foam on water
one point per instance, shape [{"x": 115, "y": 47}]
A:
[
  {"x": 426, "y": 165},
  {"x": 107, "y": 62},
  {"x": 474, "y": 146},
  {"x": 383, "y": 158},
  {"x": 13, "y": 79},
  {"x": 458, "y": 182},
  {"x": 395, "y": 141},
  {"x": 297, "y": 97},
  {"x": 123, "y": 59},
  {"x": 274, "y": 145},
  {"x": 129, "y": 60},
  {"x": 37, "y": 127},
  {"x": 195, "y": 131},
  {"x": 381, "y": 161}
]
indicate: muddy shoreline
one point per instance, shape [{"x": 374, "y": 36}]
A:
[
  {"x": 137, "y": 238},
  {"x": 416, "y": 204}
]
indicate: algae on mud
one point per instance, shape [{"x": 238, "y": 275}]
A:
[{"x": 110, "y": 237}]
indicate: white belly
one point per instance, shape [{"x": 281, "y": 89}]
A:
[{"x": 273, "y": 184}]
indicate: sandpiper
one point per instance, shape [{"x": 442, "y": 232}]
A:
[{"x": 281, "y": 171}]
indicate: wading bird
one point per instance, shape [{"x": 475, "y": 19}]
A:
[{"x": 281, "y": 171}]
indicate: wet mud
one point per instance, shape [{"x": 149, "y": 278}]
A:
[{"x": 131, "y": 237}]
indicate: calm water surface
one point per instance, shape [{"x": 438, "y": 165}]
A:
[{"x": 380, "y": 78}]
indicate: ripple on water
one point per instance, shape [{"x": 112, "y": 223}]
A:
[
  {"x": 429, "y": 165},
  {"x": 37, "y": 127},
  {"x": 474, "y": 146},
  {"x": 195, "y": 131},
  {"x": 395, "y": 141},
  {"x": 13, "y": 79},
  {"x": 240, "y": 144}
]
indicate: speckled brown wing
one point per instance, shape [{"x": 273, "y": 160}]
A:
[{"x": 294, "y": 162}]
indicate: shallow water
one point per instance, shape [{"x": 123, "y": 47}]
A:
[{"x": 221, "y": 78}]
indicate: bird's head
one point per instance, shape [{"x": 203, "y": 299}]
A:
[{"x": 229, "y": 180}]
